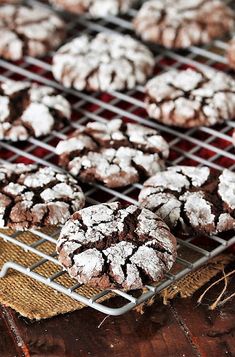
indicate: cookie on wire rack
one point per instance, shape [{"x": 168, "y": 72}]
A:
[
  {"x": 113, "y": 246},
  {"x": 30, "y": 110},
  {"x": 29, "y": 31},
  {"x": 183, "y": 23},
  {"x": 191, "y": 98},
  {"x": 108, "y": 61},
  {"x": 94, "y": 8},
  {"x": 32, "y": 196},
  {"x": 192, "y": 200},
  {"x": 113, "y": 153}
]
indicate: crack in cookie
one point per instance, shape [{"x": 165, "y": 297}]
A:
[
  {"x": 34, "y": 197},
  {"x": 28, "y": 30},
  {"x": 191, "y": 98},
  {"x": 112, "y": 246},
  {"x": 192, "y": 200},
  {"x": 115, "y": 153},
  {"x": 30, "y": 110},
  {"x": 183, "y": 23},
  {"x": 106, "y": 62}
]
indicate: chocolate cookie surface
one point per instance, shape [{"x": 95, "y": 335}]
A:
[
  {"x": 231, "y": 53},
  {"x": 192, "y": 200},
  {"x": 183, "y": 23},
  {"x": 190, "y": 98},
  {"x": 114, "y": 153},
  {"x": 111, "y": 246},
  {"x": 94, "y": 8},
  {"x": 30, "y": 110},
  {"x": 35, "y": 197},
  {"x": 28, "y": 30},
  {"x": 106, "y": 62}
]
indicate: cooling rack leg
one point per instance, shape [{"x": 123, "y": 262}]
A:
[{"x": 5, "y": 269}]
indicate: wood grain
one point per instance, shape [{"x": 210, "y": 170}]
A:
[{"x": 181, "y": 329}]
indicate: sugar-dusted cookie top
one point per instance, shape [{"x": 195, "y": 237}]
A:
[
  {"x": 183, "y": 23},
  {"x": 94, "y": 8},
  {"x": 114, "y": 153},
  {"x": 28, "y": 30},
  {"x": 112, "y": 246},
  {"x": 30, "y": 110},
  {"x": 191, "y": 98},
  {"x": 105, "y": 62},
  {"x": 35, "y": 197},
  {"x": 192, "y": 200}
]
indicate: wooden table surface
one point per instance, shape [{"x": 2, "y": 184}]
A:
[{"x": 180, "y": 329}]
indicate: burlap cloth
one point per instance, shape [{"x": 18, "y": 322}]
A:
[{"x": 35, "y": 300}]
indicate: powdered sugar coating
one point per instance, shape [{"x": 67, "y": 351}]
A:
[
  {"x": 226, "y": 188},
  {"x": 30, "y": 110},
  {"x": 94, "y": 8},
  {"x": 198, "y": 209},
  {"x": 109, "y": 246},
  {"x": 28, "y": 30},
  {"x": 115, "y": 167},
  {"x": 105, "y": 62},
  {"x": 182, "y": 23},
  {"x": 10, "y": 87},
  {"x": 114, "y": 153},
  {"x": 192, "y": 200},
  {"x": 190, "y": 98},
  {"x": 35, "y": 197}
]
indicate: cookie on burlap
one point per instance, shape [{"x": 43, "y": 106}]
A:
[
  {"x": 30, "y": 110},
  {"x": 191, "y": 98},
  {"x": 183, "y": 23},
  {"x": 105, "y": 62},
  {"x": 192, "y": 200},
  {"x": 112, "y": 246},
  {"x": 34, "y": 197},
  {"x": 94, "y": 8},
  {"x": 114, "y": 153},
  {"x": 28, "y": 30}
]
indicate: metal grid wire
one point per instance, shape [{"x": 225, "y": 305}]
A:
[{"x": 198, "y": 146}]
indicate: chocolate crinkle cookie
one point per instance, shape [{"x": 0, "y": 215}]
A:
[
  {"x": 94, "y": 8},
  {"x": 191, "y": 98},
  {"x": 35, "y": 197},
  {"x": 105, "y": 62},
  {"x": 30, "y": 110},
  {"x": 183, "y": 23},
  {"x": 28, "y": 30},
  {"x": 192, "y": 200},
  {"x": 114, "y": 153},
  {"x": 112, "y": 246}
]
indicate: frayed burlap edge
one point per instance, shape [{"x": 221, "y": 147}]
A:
[
  {"x": 193, "y": 281},
  {"x": 35, "y": 300}
]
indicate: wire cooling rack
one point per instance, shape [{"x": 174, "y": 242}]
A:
[{"x": 201, "y": 146}]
